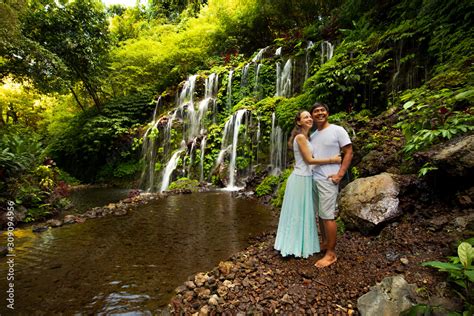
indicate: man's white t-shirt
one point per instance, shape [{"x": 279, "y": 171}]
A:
[{"x": 328, "y": 143}]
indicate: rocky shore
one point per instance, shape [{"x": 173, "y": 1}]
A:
[{"x": 259, "y": 281}]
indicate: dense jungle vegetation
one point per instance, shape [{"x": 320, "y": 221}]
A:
[{"x": 80, "y": 80}]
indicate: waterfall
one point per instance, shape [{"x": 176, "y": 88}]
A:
[
  {"x": 277, "y": 148},
  {"x": 283, "y": 82},
  {"x": 149, "y": 151},
  {"x": 191, "y": 151},
  {"x": 229, "y": 90},
  {"x": 327, "y": 51},
  {"x": 278, "y": 51},
  {"x": 237, "y": 120},
  {"x": 257, "y": 72},
  {"x": 203, "y": 148},
  {"x": 211, "y": 85},
  {"x": 186, "y": 97},
  {"x": 243, "y": 79},
  {"x": 224, "y": 148},
  {"x": 259, "y": 55},
  {"x": 170, "y": 166},
  {"x": 307, "y": 60},
  {"x": 258, "y": 139}
]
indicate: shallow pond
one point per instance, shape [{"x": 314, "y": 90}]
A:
[
  {"x": 129, "y": 264},
  {"x": 85, "y": 199}
]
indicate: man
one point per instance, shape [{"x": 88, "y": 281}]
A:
[{"x": 328, "y": 140}]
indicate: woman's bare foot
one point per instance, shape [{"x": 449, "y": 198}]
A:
[{"x": 326, "y": 261}]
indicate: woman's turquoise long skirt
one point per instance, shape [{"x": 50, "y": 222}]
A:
[{"x": 297, "y": 232}]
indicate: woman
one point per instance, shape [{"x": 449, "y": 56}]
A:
[{"x": 297, "y": 233}]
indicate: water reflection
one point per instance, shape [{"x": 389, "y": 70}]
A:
[{"x": 130, "y": 264}]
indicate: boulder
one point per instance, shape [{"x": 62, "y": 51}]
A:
[
  {"x": 456, "y": 158},
  {"x": 389, "y": 298},
  {"x": 366, "y": 203}
]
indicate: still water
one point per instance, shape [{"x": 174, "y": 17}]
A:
[{"x": 131, "y": 264}]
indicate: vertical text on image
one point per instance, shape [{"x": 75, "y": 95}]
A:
[{"x": 11, "y": 254}]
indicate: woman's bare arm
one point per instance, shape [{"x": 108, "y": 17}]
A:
[{"x": 308, "y": 155}]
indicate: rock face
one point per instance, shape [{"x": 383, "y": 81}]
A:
[
  {"x": 390, "y": 297},
  {"x": 457, "y": 157},
  {"x": 367, "y": 202}
]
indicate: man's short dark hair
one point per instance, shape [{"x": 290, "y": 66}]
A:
[{"x": 318, "y": 105}]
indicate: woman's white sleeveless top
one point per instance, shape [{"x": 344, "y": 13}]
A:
[{"x": 301, "y": 167}]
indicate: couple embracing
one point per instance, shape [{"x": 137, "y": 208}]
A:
[{"x": 313, "y": 187}]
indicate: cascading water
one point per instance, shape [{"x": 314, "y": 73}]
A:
[
  {"x": 307, "y": 59},
  {"x": 244, "y": 79},
  {"x": 256, "y": 88},
  {"x": 237, "y": 120},
  {"x": 278, "y": 51},
  {"x": 229, "y": 90},
  {"x": 149, "y": 151},
  {"x": 283, "y": 84},
  {"x": 259, "y": 55},
  {"x": 203, "y": 149},
  {"x": 277, "y": 148},
  {"x": 327, "y": 51},
  {"x": 170, "y": 167}
]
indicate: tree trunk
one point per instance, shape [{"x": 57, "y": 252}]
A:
[
  {"x": 93, "y": 93},
  {"x": 77, "y": 99},
  {"x": 2, "y": 121}
]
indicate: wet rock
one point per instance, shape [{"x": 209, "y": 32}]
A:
[
  {"x": 204, "y": 310},
  {"x": 222, "y": 290},
  {"x": 202, "y": 292},
  {"x": 200, "y": 279},
  {"x": 214, "y": 300},
  {"x": 389, "y": 298},
  {"x": 405, "y": 261},
  {"x": 225, "y": 267},
  {"x": 287, "y": 299},
  {"x": 55, "y": 223},
  {"x": 69, "y": 219},
  {"x": 456, "y": 157},
  {"x": 366, "y": 203},
  {"x": 180, "y": 289},
  {"x": 188, "y": 295},
  {"x": 190, "y": 285},
  {"x": 39, "y": 228}
]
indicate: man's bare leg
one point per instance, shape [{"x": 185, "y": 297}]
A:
[
  {"x": 330, "y": 257},
  {"x": 324, "y": 238}
]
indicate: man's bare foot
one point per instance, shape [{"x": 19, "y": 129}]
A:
[
  {"x": 323, "y": 246},
  {"x": 326, "y": 261}
]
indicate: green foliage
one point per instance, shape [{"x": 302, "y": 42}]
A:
[
  {"x": 184, "y": 184},
  {"x": 91, "y": 140},
  {"x": 355, "y": 172},
  {"x": 280, "y": 194},
  {"x": 460, "y": 273},
  {"x": 353, "y": 79},
  {"x": 127, "y": 169},
  {"x": 267, "y": 186},
  {"x": 67, "y": 178},
  {"x": 59, "y": 57},
  {"x": 430, "y": 116},
  {"x": 20, "y": 150},
  {"x": 427, "y": 167}
]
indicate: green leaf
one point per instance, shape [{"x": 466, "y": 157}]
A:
[
  {"x": 443, "y": 266},
  {"x": 464, "y": 95},
  {"x": 465, "y": 253},
  {"x": 408, "y": 105},
  {"x": 470, "y": 275}
]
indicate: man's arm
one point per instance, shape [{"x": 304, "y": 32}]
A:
[{"x": 346, "y": 162}]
